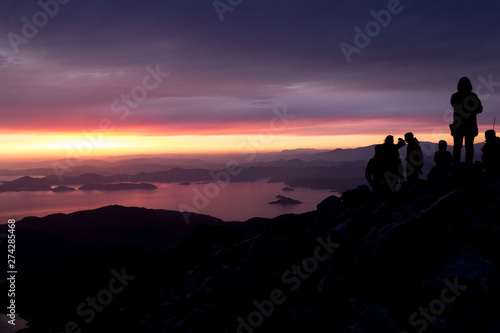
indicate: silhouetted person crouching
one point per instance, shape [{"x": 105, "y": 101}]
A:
[
  {"x": 491, "y": 153},
  {"x": 466, "y": 105}
]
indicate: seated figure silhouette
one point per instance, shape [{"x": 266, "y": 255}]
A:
[
  {"x": 491, "y": 153},
  {"x": 466, "y": 106},
  {"x": 443, "y": 160},
  {"x": 414, "y": 158},
  {"x": 442, "y": 157},
  {"x": 393, "y": 162},
  {"x": 375, "y": 173}
]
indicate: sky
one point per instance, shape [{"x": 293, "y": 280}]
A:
[{"x": 93, "y": 77}]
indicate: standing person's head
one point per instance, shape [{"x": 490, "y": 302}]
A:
[
  {"x": 442, "y": 145},
  {"x": 378, "y": 150},
  {"x": 389, "y": 139},
  {"x": 409, "y": 137},
  {"x": 490, "y": 135},
  {"x": 464, "y": 85}
]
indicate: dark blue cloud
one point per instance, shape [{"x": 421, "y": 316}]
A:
[{"x": 260, "y": 49}]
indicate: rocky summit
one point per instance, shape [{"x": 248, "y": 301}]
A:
[{"x": 424, "y": 259}]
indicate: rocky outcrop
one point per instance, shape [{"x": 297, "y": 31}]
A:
[{"x": 425, "y": 259}]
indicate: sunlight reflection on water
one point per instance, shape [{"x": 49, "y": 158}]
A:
[{"x": 236, "y": 202}]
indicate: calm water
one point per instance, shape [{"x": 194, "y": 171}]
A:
[{"x": 236, "y": 202}]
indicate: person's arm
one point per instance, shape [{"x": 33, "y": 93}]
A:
[
  {"x": 453, "y": 100},
  {"x": 479, "y": 106}
]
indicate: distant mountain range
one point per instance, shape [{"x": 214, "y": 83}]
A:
[
  {"x": 117, "y": 187},
  {"x": 136, "y": 164},
  {"x": 337, "y": 169}
]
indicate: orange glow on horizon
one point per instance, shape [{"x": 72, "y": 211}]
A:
[{"x": 30, "y": 146}]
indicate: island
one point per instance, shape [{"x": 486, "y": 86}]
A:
[
  {"x": 282, "y": 200},
  {"x": 62, "y": 189},
  {"x": 287, "y": 189},
  {"x": 117, "y": 187}
]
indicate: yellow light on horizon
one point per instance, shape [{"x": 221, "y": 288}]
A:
[{"x": 26, "y": 146}]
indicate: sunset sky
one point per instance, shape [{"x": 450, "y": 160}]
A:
[{"x": 90, "y": 76}]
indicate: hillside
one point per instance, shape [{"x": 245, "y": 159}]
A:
[{"x": 425, "y": 259}]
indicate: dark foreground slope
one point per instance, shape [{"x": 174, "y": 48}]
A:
[{"x": 425, "y": 259}]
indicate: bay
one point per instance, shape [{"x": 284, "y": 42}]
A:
[{"x": 234, "y": 202}]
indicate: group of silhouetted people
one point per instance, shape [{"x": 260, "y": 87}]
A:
[{"x": 385, "y": 170}]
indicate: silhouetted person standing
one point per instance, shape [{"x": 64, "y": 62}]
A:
[
  {"x": 491, "y": 153},
  {"x": 466, "y": 105},
  {"x": 442, "y": 157},
  {"x": 390, "y": 154},
  {"x": 414, "y": 158},
  {"x": 375, "y": 172}
]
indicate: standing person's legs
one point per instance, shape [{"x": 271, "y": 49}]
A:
[
  {"x": 469, "y": 148},
  {"x": 457, "y": 147}
]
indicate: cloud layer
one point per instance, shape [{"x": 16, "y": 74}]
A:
[{"x": 227, "y": 76}]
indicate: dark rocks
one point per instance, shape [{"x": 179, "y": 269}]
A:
[
  {"x": 427, "y": 245},
  {"x": 356, "y": 197},
  {"x": 469, "y": 266},
  {"x": 329, "y": 207},
  {"x": 373, "y": 319}
]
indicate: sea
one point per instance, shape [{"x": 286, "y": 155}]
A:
[{"x": 235, "y": 201}]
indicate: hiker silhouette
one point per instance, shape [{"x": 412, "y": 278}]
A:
[
  {"x": 390, "y": 155},
  {"x": 375, "y": 172},
  {"x": 466, "y": 107},
  {"x": 414, "y": 158},
  {"x": 490, "y": 158}
]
